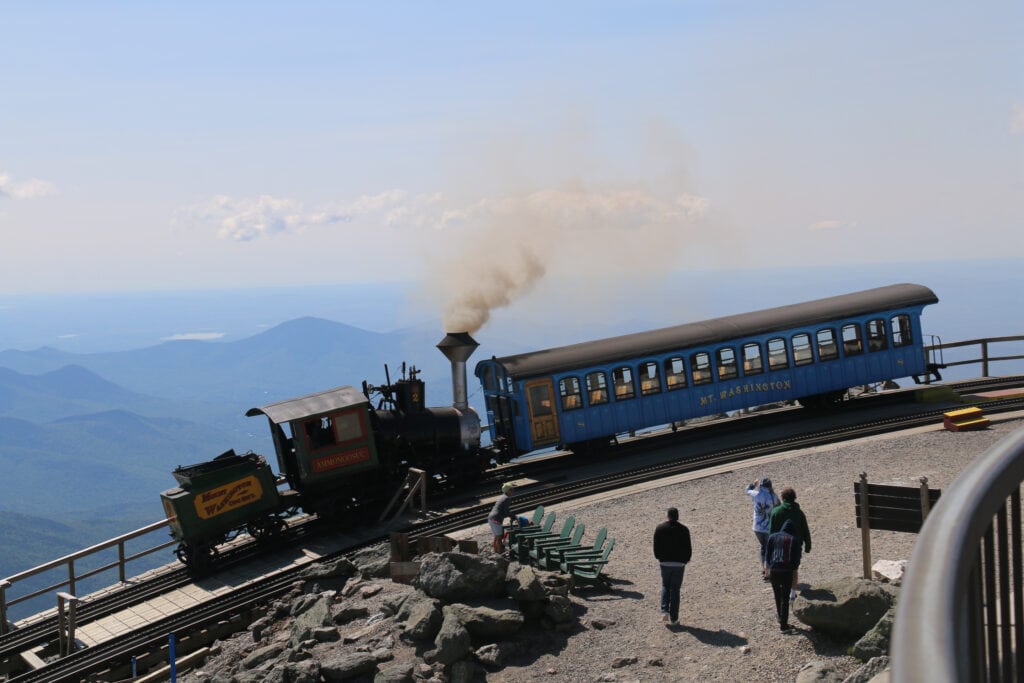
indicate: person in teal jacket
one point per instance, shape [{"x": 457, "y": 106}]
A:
[{"x": 789, "y": 509}]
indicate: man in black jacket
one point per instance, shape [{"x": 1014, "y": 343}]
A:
[{"x": 672, "y": 550}]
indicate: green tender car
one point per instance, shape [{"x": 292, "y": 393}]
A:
[{"x": 217, "y": 499}]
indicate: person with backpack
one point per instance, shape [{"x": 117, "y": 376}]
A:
[{"x": 783, "y": 553}]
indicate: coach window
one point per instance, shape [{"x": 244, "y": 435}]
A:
[
  {"x": 752, "y": 364},
  {"x": 778, "y": 359},
  {"x": 726, "y": 363},
  {"x": 675, "y": 373},
  {"x": 901, "y": 330},
  {"x": 489, "y": 383},
  {"x": 569, "y": 388},
  {"x": 827, "y": 349},
  {"x": 701, "y": 364},
  {"x": 597, "y": 388},
  {"x": 876, "y": 335},
  {"x": 622, "y": 380},
  {"x": 802, "y": 354},
  {"x": 650, "y": 383},
  {"x": 852, "y": 344}
]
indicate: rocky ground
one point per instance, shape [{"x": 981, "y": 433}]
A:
[{"x": 728, "y": 630}]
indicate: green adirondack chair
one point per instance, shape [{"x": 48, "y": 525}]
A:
[
  {"x": 522, "y": 535},
  {"x": 553, "y": 559},
  {"x": 588, "y": 570},
  {"x": 513, "y": 529},
  {"x": 543, "y": 547},
  {"x": 528, "y": 543}
]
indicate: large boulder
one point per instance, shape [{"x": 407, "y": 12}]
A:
[
  {"x": 486, "y": 625},
  {"x": 342, "y": 666},
  {"x": 875, "y": 643},
  {"x": 459, "y": 577},
  {"x": 421, "y": 615},
  {"x": 524, "y": 584},
  {"x": 819, "y": 671},
  {"x": 844, "y": 608},
  {"x": 875, "y": 671},
  {"x": 453, "y": 642},
  {"x": 373, "y": 562},
  {"x": 315, "y": 615}
]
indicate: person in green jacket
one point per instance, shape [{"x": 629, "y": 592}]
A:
[{"x": 789, "y": 509}]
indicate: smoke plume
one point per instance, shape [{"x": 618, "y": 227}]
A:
[{"x": 502, "y": 248}]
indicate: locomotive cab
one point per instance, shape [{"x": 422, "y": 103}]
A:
[{"x": 325, "y": 446}]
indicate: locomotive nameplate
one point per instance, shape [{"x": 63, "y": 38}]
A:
[
  {"x": 338, "y": 460},
  {"x": 228, "y": 497}
]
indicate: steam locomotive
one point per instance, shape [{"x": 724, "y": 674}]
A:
[{"x": 341, "y": 457}]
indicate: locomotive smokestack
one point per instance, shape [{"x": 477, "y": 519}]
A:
[{"x": 457, "y": 347}]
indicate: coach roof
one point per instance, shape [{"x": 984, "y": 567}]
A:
[{"x": 654, "y": 342}]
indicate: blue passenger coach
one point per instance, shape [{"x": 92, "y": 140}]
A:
[{"x": 813, "y": 352}]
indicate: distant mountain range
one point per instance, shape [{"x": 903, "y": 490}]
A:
[{"x": 80, "y": 433}]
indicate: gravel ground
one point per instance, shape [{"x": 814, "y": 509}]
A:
[{"x": 727, "y": 631}]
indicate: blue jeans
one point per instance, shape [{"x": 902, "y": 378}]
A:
[
  {"x": 762, "y": 538},
  {"x": 671, "y": 582}
]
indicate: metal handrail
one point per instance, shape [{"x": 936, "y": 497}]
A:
[
  {"x": 953, "y": 619},
  {"x": 985, "y": 359},
  {"x": 73, "y": 577}
]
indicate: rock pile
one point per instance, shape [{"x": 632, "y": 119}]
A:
[{"x": 462, "y": 616}]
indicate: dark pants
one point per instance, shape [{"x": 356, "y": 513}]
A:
[
  {"x": 671, "y": 582},
  {"x": 782, "y": 581}
]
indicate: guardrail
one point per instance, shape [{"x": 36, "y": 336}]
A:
[
  {"x": 984, "y": 359},
  {"x": 74, "y": 577},
  {"x": 961, "y": 609}
]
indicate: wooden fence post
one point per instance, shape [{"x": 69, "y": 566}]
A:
[
  {"x": 865, "y": 527},
  {"x": 926, "y": 504}
]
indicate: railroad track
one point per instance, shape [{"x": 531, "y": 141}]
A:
[{"x": 701, "y": 453}]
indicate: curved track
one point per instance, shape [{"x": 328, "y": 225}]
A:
[{"x": 703, "y": 448}]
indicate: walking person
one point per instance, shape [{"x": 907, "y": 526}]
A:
[
  {"x": 672, "y": 550},
  {"x": 496, "y": 519},
  {"x": 764, "y": 500},
  {"x": 789, "y": 510},
  {"x": 783, "y": 552}
]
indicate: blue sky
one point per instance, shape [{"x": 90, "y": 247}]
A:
[{"x": 490, "y": 151}]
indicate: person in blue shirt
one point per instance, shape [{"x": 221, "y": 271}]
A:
[{"x": 764, "y": 500}]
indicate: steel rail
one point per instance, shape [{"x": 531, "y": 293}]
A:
[{"x": 554, "y": 494}]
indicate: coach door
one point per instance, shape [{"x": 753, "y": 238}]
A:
[{"x": 543, "y": 420}]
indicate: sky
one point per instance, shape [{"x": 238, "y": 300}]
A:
[{"x": 482, "y": 151}]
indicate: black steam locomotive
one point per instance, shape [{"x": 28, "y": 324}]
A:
[{"x": 341, "y": 457}]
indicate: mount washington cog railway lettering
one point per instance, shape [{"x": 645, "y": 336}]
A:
[{"x": 228, "y": 497}]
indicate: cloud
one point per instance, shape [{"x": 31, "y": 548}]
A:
[
  {"x": 24, "y": 189},
  {"x": 1017, "y": 119},
  {"x": 832, "y": 224},
  {"x": 194, "y": 336},
  {"x": 246, "y": 219}
]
